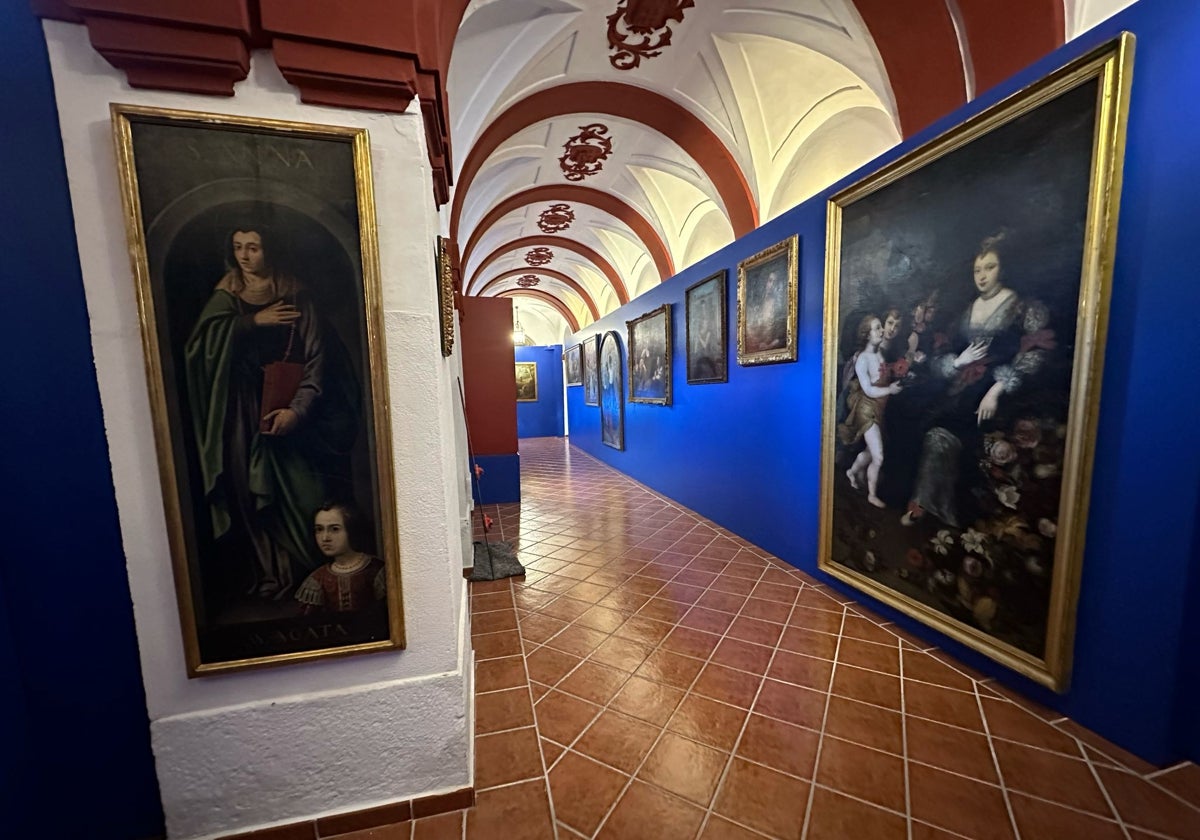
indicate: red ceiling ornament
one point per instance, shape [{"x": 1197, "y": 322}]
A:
[
  {"x": 539, "y": 256},
  {"x": 555, "y": 218},
  {"x": 528, "y": 281},
  {"x": 586, "y": 152},
  {"x": 640, "y": 29}
]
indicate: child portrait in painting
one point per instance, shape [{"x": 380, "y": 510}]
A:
[
  {"x": 866, "y": 394},
  {"x": 351, "y": 580}
]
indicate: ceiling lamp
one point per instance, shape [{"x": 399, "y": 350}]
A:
[{"x": 518, "y": 330}]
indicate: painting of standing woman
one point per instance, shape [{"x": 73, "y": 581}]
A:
[
  {"x": 961, "y": 333},
  {"x": 256, "y": 305}
]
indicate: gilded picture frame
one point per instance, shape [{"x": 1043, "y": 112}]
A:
[
  {"x": 964, "y": 339},
  {"x": 767, "y": 291},
  {"x": 527, "y": 382},
  {"x": 573, "y": 365},
  {"x": 445, "y": 295},
  {"x": 649, "y": 357},
  {"x": 253, "y": 249},
  {"x": 591, "y": 370},
  {"x": 706, "y": 330},
  {"x": 612, "y": 397}
]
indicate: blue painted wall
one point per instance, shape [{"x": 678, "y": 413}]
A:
[
  {"x": 77, "y": 737},
  {"x": 746, "y": 453},
  {"x": 543, "y": 418}
]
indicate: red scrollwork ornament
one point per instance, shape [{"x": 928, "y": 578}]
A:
[
  {"x": 539, "y": 255},
  {"x": 586, "y": 152},
  {"x": 555, "y": 218},
  {"x": 528, "y": 281},
  {"x": 640, "y": 29}
]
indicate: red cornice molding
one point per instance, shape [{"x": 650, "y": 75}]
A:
[
  {"x": 603, "y": 201},
  {"x": 545, "y": 297},
  {"x": 378, "y": 58},
  {"x": 567, "y": 281},
  {"x": 629, "y": 102},
  {"x": 605, "y": 267}
]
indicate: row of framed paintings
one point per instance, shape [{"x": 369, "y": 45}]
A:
[
  {"x": 964, "y": 338},
  {"x": 766, "y": 330}
]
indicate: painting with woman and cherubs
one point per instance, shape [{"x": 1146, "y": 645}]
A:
[
  {"x": 959, "y": 363},
  {"x": 259, "y": 305}
]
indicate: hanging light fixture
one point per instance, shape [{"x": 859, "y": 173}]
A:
[{"x": 518, "y": 330}]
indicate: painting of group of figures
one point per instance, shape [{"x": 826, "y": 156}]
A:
[
  {"x": 258, "y": 284},
  {"x": 964, "y": 326}
]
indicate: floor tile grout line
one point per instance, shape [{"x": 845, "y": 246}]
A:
[
  {"x": 533, "y": 713},
  {"x": 821, "y": 738},
  {"x": 1112, "y": 806},
  {"x": 682, "y": 525},
  {"x": 741, "y": 733},
  {"x": 987, "y": 731},
  {"x": 1162, "y": 771},
  {"x": 663, "y": 729}
]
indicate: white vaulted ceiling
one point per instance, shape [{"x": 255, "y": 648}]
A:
[{"x": 749, "y": 109}]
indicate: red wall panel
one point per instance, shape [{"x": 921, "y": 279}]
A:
[{"x": 489, "y": 374}]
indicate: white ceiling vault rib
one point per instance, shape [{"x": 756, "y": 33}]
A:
[{"x": 790, "y": 97}]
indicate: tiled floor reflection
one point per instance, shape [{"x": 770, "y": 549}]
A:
[{"x": 654, "y": 677}]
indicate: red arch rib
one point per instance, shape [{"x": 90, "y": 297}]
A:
[
  {"x": 584, "y": 251},
  {"x": 1008, "y": 35},
  {"x": 546, "y": 297},
  {"x": 548, "y": 272},
  {"x": 628, "y": 102},
  {"x": 602, "y": 201}
]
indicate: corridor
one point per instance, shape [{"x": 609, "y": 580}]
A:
[{"x": 653, "y": 677}]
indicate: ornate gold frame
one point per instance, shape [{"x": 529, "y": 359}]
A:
[
  {"x": 445, "y": 294},
  {"x": 122, "y": 118},
  {"x": 532, "y": 367},
  {"x": 1112, "y": 66},
  {"x": 791, "y": 246},
  {"x": 631, "y": 347},
  {"x": 603, "y": 341}
]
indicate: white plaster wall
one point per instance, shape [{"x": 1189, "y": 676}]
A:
[
  {"x": 247, "y": 749},
  {"x": 1082, "y": 15}
]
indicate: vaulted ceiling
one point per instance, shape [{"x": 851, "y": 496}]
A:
[{"x": 603, "y": 145}]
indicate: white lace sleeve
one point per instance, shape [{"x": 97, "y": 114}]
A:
[{"x": 310, "y": 592}]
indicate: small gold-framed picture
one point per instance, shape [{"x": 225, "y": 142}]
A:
[
  {"x": 766, "y": 299},
  {"x": 527, "y": 385},
  {"x": 253, "y": 249}
]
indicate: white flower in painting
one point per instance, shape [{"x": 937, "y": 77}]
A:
[
  {"x": 972, "y": 540},
  {"x": 942, "y": 542},
  {"x": 1047, "y": 528},
  {"x": 1008, "y": 496}
]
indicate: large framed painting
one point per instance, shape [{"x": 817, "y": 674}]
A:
[
  {"x": 612, "y": 398},
  {"x": 705, "y": 325},
  {"x": 966, "y": 300},
  {"x": 254, "y": 258},
  {"x": 766, "y": 298},
  {"x": 591, "y": 370},
  {"x": 573, "y": 360},
  {"x": 650, "y": 357},
  {"x": 527, "y": 382}
]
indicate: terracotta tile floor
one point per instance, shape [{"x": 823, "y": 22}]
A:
[{"x": 654, "y": 676}]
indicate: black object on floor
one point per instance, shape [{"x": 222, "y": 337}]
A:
[{"x": 495, "y": 560}]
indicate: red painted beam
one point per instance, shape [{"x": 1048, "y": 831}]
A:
[
  {"x": 636, "y": 104},
  {"x": 566, "y": 244},
  {"x": 606, "y": 202},
  {"x": 919, "y": 47},
  {"x": 545, "y": 297},
  {"x": 1008, "y": 35},
  {"x": 565, "y": 279}
]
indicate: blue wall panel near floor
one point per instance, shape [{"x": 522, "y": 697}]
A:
[
  {"x": 69, "y": 659},
  {"x": 543, "y": 418},
  {"x": 746, "y": 453}
]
